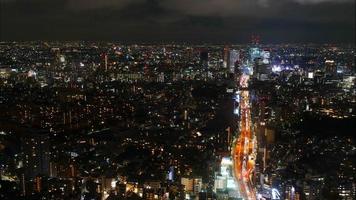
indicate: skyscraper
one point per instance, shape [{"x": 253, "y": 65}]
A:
[
  {"x": 36, "y": 154},
  {"x": 233, "y": 59},
  {"x": 204, "y": 58},
  {"x": 226, "y": 55}
]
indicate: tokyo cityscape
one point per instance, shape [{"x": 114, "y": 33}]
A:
[{"x": 177, "y": 100}]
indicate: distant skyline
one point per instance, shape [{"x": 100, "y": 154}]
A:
[{"x": 276, "y": 21}]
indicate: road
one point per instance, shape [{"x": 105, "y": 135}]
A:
[{"x": 244, "y": 148}]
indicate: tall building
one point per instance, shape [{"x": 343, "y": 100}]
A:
[
  {"x": 226, "y": 55},
  {"x": 36, "y": 160},
  {"x": 255, "y": 53},
  {"x": 266, "y": 56},
  {"x": 330, "y": 67},
  {"x": 36, "y": 155},
  {"x": 204, "y": 56},
  {"x": 233, "y": 59},
  {"x": 204, "y": 60}
]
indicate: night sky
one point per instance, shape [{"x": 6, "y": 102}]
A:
[{"x": 276, "y": 21}]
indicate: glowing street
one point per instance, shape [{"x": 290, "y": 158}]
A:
[{"x": 244, "y": 148}]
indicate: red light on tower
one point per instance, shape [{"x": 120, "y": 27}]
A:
[{"x": 255, "y": 39}]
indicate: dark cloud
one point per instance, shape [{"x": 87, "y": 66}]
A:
[{"x": 179, "y": 20}]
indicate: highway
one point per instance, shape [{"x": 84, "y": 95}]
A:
[{"x": 244, "y": 147}]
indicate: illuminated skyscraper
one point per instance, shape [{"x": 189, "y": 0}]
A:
[
  {"x": 226, "y": 55},
  {"x": 233, "y": 59}
]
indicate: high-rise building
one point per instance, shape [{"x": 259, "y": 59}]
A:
[
  {"x": 266, "y": 56},
  {"x": 36, "y": 155},
  {"x": 330, "y": 67},
  {"x": 233, "y": 59},
  {"x": 204, "y": 56},
  {"x": 204, "y": 60},
  {"x": 226, "y": 55},
  {"x": 35, "y": 159},
  {"x": 255, "y": 53}
]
